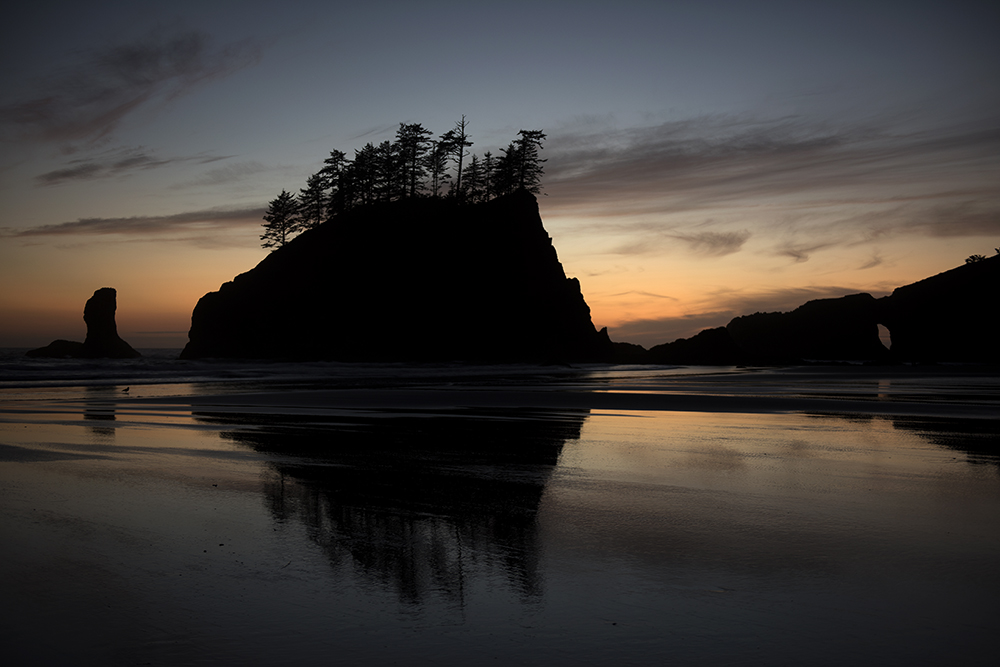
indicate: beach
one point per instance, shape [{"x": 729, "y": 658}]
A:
[{"x": 389, "y": 514}]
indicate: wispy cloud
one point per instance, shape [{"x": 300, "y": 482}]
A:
[
  {"x": 940, "y": 182},
  {"x": 115, "y": 162},
  {"x": 715, "y": 244},
  {"x": 87, "y": 100},
  {"x": 230, "y": 173},
  {"x": 192, "y": 221}
]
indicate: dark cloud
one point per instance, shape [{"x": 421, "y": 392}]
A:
[
  {"x": 116, "y": 162},
  {"x": 799, "y": 252},
  {"x": 715, "y": 244},
  {"x": 87, "y": 100},
  {"x": 145, "y": 225}
]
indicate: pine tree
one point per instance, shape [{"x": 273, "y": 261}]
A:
[
  {"x": 529, "y": 166},
  {"x": 437, "y": 164},
  {"x": 364, "y": 173},
  {"x": 457, "y": 143},
  {"x": 313, "y": 200},
  {"x": 414, "y": 141},
  {"x": 334, "y": 172},
  {"x": 489, "y": 166},
  {"x": 281, "y": 221},
  {"x": 505, "y": 174},
  {"x": 473, "y": 185}
]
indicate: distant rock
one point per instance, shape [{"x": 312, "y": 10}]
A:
[
  {"x": 102, "y": 333},
  {"x": 629, "y": 353},
  {"x": 711, "y": 347},
  {"x": 414, "y": 280},
  {"x": 949, "y": 317},
  {"x": 843, "y": 329}
]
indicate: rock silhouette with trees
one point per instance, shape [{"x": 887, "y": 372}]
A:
[{"x": 414, "y": 165}]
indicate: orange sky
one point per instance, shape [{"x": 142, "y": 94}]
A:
[{"x": 704, "y": 160}]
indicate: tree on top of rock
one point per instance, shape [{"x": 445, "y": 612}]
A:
[
  {"x": 528, "y": 164},
  {"x": 281, "y": 220}
]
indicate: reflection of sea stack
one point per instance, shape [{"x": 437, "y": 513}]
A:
[
  {"x": 416, "y": 280},
  {"x": 102, "y": 340},
  {"x": 425, "y": 505}
]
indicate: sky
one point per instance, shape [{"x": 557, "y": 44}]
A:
[{"x": 704, "y": 159}]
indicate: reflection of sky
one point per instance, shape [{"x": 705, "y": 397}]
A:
[
  {"x": 705, "y": 159},
  {"x": 688, "y": 534}
]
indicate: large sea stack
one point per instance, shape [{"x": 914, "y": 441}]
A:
[
  {"x": 102, "y": 339},
  {"x": 415, "y": 280}
]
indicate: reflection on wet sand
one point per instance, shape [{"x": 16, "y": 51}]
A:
[
  {"x": 417, "y": 502},
  {"x": 100, "y": 407}
]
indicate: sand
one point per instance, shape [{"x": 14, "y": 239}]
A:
[{"x": 626, "y": 516}]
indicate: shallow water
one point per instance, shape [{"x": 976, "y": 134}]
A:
[{"x": 150, "y": 533}]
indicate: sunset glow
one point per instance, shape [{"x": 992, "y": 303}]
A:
[{"x": 704, "y": 160}]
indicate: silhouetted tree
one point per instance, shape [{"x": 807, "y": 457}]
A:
[
  {"x": 457, "y": 142},
  {"x": 414, "y": 141},
  {"x": 397, "y": 169},
  {"x": 972, "y": 259},
  {"x": 313, "y": 200},
  {"x": 437, "y": 164},
  {"x": 529, "y": 165},
  {"x": 335, "y": 173},
  {"x": 473, "y": 181},
  {"x": 281, "y": 220},
  {"x": 505, "y": 173},
  {"x": 489, "y": 165},
  {"x": 364, "y": 174},
  {"x": 389, "y": 179}
]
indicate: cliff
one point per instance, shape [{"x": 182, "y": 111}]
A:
[
  {"x": 947, "y": 317},
  {"x": 415, "y": 280}
]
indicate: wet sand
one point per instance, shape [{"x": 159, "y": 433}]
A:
[{"x": 798, "y": 516}]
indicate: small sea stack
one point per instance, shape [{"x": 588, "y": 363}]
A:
[{"x": 102, "y": 342}]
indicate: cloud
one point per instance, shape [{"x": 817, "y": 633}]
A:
[
  {"x": 715, "y": 244},
  {"x": 115, "y": 162},
  {"x": 88, "y": 99},
  {"x": 799, "y": 252},
  {"x": 192, "y": 221},
  {"x": 962, "y": 220},
  {"x": 731, "y": 166},
  {"x": 230, "y": 173}
]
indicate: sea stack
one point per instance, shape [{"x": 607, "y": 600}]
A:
[
  {"x": 102, "y": 339},
  {"x": 413, "y": 280}
]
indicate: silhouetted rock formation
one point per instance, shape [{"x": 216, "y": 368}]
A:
[
  {"x": 948, "y": 317},
  {"x": 711, "y": 347},
  {"x": 945, "y": 318},
  {"x": 823, "y": 329},
  {"x": 102, "y": 333},
  {"x": 415, "y": 280}
]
